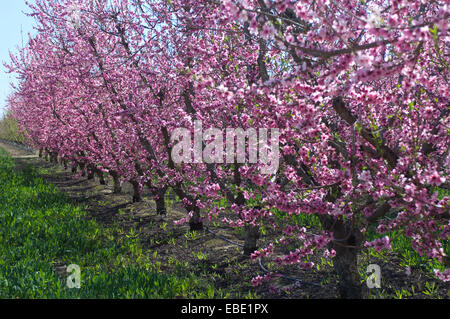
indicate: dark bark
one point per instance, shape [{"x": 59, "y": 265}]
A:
[
  {"x": 117, "y": 185},
  {"x": 160, "y": 201},
  {"x": 347, "y": 245},
  {"x": 100, "y": 176},
  {"x": 251, "y": 232},
  {"x": 91, "y": 174},
  {"x": 346, "y": 266},
  {"x": 251, "y": 239},
  {"x": 136, "y": 192},
  {"x": 74, "y": 167},
  {"x": 195, "y": 223}
]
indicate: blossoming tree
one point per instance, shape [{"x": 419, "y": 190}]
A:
[{"x": 357, "y": 89}]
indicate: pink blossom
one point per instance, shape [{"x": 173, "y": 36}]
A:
[
  {"x": 267, "y": 31},
  {"x": 435, "y": 179},
  {"x": 379, "y": 244},
  {"x": 443, "y": 275}
]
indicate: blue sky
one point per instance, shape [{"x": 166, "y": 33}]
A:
[{"x": 12, "y": 21}]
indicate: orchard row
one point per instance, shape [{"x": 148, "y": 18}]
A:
[{"x": 358, "y": 91}]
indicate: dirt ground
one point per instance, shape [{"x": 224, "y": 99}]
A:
[{"x": 224, "y": 263}]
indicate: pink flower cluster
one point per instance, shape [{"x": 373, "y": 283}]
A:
[{"x": 379, "y": 244}]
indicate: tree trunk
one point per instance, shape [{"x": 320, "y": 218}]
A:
[
  {"x": 117, "y": 185},
  {"x": 100, "y": 176},
  {"x": 346, "y": 267},
  {"x": 347, "y": 244},
  {"x": 195, "y": 223},
  {"x": 41, "y": 152},
  {"x": 160, "y": 201},
  {"x": 91, "y": 174},
  {"x": 136, "y": 192},
  {"x": 74, "y": 167},
  {"x": 83, "y": 169},
  {"x": 251, "y": 239},
  {"x": 346, "y": 262}
]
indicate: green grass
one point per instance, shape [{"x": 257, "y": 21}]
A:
[
  {"x": 40, "y": 229},
  {"x": 9, "y": 129}
]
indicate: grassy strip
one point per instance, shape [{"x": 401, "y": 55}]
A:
[
  {"x": 9, "y": 130},
  {"x": 41, "y": 231}
]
